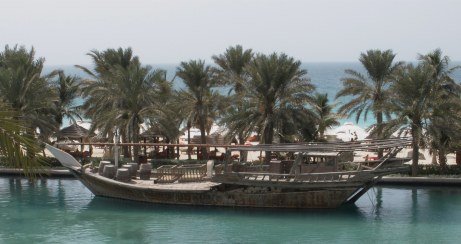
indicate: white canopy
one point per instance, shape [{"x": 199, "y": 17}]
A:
[{"x": 348, "y": 132}]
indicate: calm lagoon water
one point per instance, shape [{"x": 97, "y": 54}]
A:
[{"x": 64, "y": 211}]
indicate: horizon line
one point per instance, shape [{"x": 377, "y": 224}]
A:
[{"x": 172, "y": 63}]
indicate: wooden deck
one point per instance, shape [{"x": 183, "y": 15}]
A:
[{"x": 178, "y": 186}]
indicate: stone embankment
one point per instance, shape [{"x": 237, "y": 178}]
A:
[
  {"x": 421, "y": 181},
  {"x": 388, "y": 180},
  {"x": 42, "y": 173}
]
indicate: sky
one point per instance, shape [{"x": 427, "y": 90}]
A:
[{"x": 171, "y": 31}]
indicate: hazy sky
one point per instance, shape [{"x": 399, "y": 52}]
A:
[{"x": 170, "y": 31}]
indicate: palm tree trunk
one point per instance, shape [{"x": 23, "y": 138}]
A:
[
  {"x": 434, "y": 157},
  {"x": 379, "y": 131},
  {"x": 125, "y": 149},
  {"x": 321, "y": 134},
  {"x": 110, "y": 135},
  {"x": 268, "y": 135},
  {"x": 135, "y": 137},
  {"x": 188, "y": 140},
  {"x": 415, "y": 133},
  {"x": 202, "y": 121},
  {"x": 203, "y": 141},
  {"x": 243, "y": 154},
  {"x": 442, "y": 158},
  {"x": 177, "y": 149}
]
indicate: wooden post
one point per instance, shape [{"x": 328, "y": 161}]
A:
[
  {"x": 82, "y": 147},
  {"x": 117, "y": 137},
  {"x": 227, "y": 160},
  {"x": 177, "y": 150}
]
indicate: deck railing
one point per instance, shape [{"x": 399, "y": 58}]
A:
[
  {"x": 302, "y": 178},
  {"x": 182, "y": 173}
]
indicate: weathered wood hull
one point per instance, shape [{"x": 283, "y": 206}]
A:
[
  {"x": 235, "y": 188},
  {"x": 221, "y": 195}
]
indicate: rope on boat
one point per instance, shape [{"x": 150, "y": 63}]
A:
[{"x": 362, "y": 145}]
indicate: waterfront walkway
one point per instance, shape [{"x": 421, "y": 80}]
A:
[
  {"x": 387, "y": 180},
  {"x": 59, "y": 172},
  {"x": 421, "y": 181}
]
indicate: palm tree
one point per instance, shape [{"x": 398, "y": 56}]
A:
[
  {"x": 240, "y": 121},
  {"x": 415, "y": 98},
  {"x": 370, "y": 91},
  {"x": 277, "y": 85},
  {"x": 13, "y": 141},
  {"x": 106, "y": 60},
  {"x": 102, "y": 115},
  {"x": 323, "y": 114},
  {"x": 442, "y": 128},
  {"x": 23, "y": 87},
  {"x": 198, "y": 96},
  {"x": 232, "y": 72},
  {"x": 68, "y": 89},
  {"x": 232, "y": 67},
  {"x": 169, "y": 118},
  {"x": 123, "y": 94}
]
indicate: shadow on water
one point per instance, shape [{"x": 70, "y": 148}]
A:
[{"x": 110, "y": 204}]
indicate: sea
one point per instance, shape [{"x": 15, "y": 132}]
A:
[
  {"x": 326, "y": 76},
  {"x": 64, "y": 211}
]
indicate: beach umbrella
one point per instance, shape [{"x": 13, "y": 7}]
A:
[
  {"x": 348, "y": 131},
  {"x": 153, "y": 133},
  {"x": 74, "y": 132}
]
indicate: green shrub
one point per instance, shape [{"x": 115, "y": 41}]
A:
[{"x": 438, "y": 170}]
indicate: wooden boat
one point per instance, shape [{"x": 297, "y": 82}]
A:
[{"x": 316, "y": 178}]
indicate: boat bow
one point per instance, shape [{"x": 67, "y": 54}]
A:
[{"x": 64, "y": 158}]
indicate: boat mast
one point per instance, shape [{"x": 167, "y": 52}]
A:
[{"x": 117, "y": 137}]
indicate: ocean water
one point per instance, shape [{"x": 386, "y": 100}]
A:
[
  {"x": 64, "y": 211},
  {"x": 325, "y": 76}
]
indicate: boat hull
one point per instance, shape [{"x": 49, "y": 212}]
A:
[{"x": 220, "y": 195}]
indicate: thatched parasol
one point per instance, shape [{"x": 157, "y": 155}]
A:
[
  {"x": 152, "y": 133},
  {"x": 73, "y": 132}
]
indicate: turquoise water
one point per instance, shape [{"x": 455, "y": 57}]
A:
[{"x": 64, "y": 211}]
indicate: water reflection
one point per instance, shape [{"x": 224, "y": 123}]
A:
[
  {"x": 142, "y": 222},
  {"x": 417, "y": 204},
  {"x": 414, "y": 205}
]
